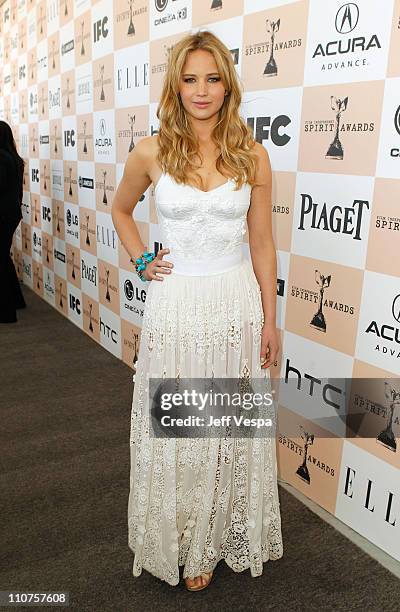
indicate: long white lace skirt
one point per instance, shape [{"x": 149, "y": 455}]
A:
[{"x": 193, "y": 502}]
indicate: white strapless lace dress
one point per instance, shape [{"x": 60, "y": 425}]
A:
[{"x": 193, "y": 502}]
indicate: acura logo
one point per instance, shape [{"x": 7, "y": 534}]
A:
[
  {"x": 347, "y": 18},
  {"x": 102, "y": 127},
  {"x": 396, "y": 308}
]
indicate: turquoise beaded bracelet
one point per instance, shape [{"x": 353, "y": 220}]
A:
[{"x": 141, "y": 262}]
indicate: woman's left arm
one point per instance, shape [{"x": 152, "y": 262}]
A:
[{"x": 263, "y": 254}]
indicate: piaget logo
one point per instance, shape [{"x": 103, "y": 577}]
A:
[
  {"x": 336, "y": 219},
  {"x": 55, "y": 98}
]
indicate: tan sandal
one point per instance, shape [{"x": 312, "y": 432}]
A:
[{"x": 200, "y": 587}]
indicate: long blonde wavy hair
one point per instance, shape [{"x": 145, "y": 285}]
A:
[{"x": 177, "y": 142}]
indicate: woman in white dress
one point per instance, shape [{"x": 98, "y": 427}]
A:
[{"x": 209, "y": 312}]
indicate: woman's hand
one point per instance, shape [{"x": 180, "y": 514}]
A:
[
  {"x": 157, "y": 266},
  {"x": 270, "y": 345}
]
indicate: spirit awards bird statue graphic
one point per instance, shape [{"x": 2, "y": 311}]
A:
[
  {"x": 82, "y": 44},
  {"x": 335, "y": 150},
  {"x": 132, "y": 119},
  {"x": 302, "y": 470},
  {"x": 58, "y": 219},
  {"x": 68, "y": 100},
  {"x": 87, "y": 230},
  {"x": 386, "y": 437},
  {"x": 73, "y": 264},
  {"x": 102, "y": 95},
  {"x": 318, "y": 320},
  {"x": 90, "y": 317},
  {"x": 108, "y": 296},
  {"x": 271, "y": 69},
  {"x": 131, "y": 28},
  {"x": 84, "y": 137},
  {"x": 70, "y": 181},
  {"x": 105, "y": 201}
]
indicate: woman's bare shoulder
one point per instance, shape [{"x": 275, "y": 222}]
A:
[
  {"x": 147, "y": 147},
  {"x": 263, "y": 168}
]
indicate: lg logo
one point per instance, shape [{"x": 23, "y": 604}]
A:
[
  {"x": 72, "y": 219},
  {"x": 100, "y": 29},
  {"x": 132, "y": 292},
  {"x": 69, "y": 138}
]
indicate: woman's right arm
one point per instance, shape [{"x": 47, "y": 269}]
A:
[{"x": 135, "y": 181}]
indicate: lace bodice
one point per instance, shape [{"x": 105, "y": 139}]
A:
[{"x": 196, "y": 224}]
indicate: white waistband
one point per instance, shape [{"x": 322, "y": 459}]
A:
[{"x": 205, "y": 267}]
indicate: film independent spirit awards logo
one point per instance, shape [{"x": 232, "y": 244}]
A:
[{"x": 272, "y": 28}]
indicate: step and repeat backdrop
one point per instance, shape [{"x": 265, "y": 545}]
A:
[{"x": 80, "y": 82}]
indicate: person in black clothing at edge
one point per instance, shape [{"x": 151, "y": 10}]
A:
[{"x": 11, "y": 180}]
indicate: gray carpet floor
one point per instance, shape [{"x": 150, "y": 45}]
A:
[{"x": 65, "y": 414}]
